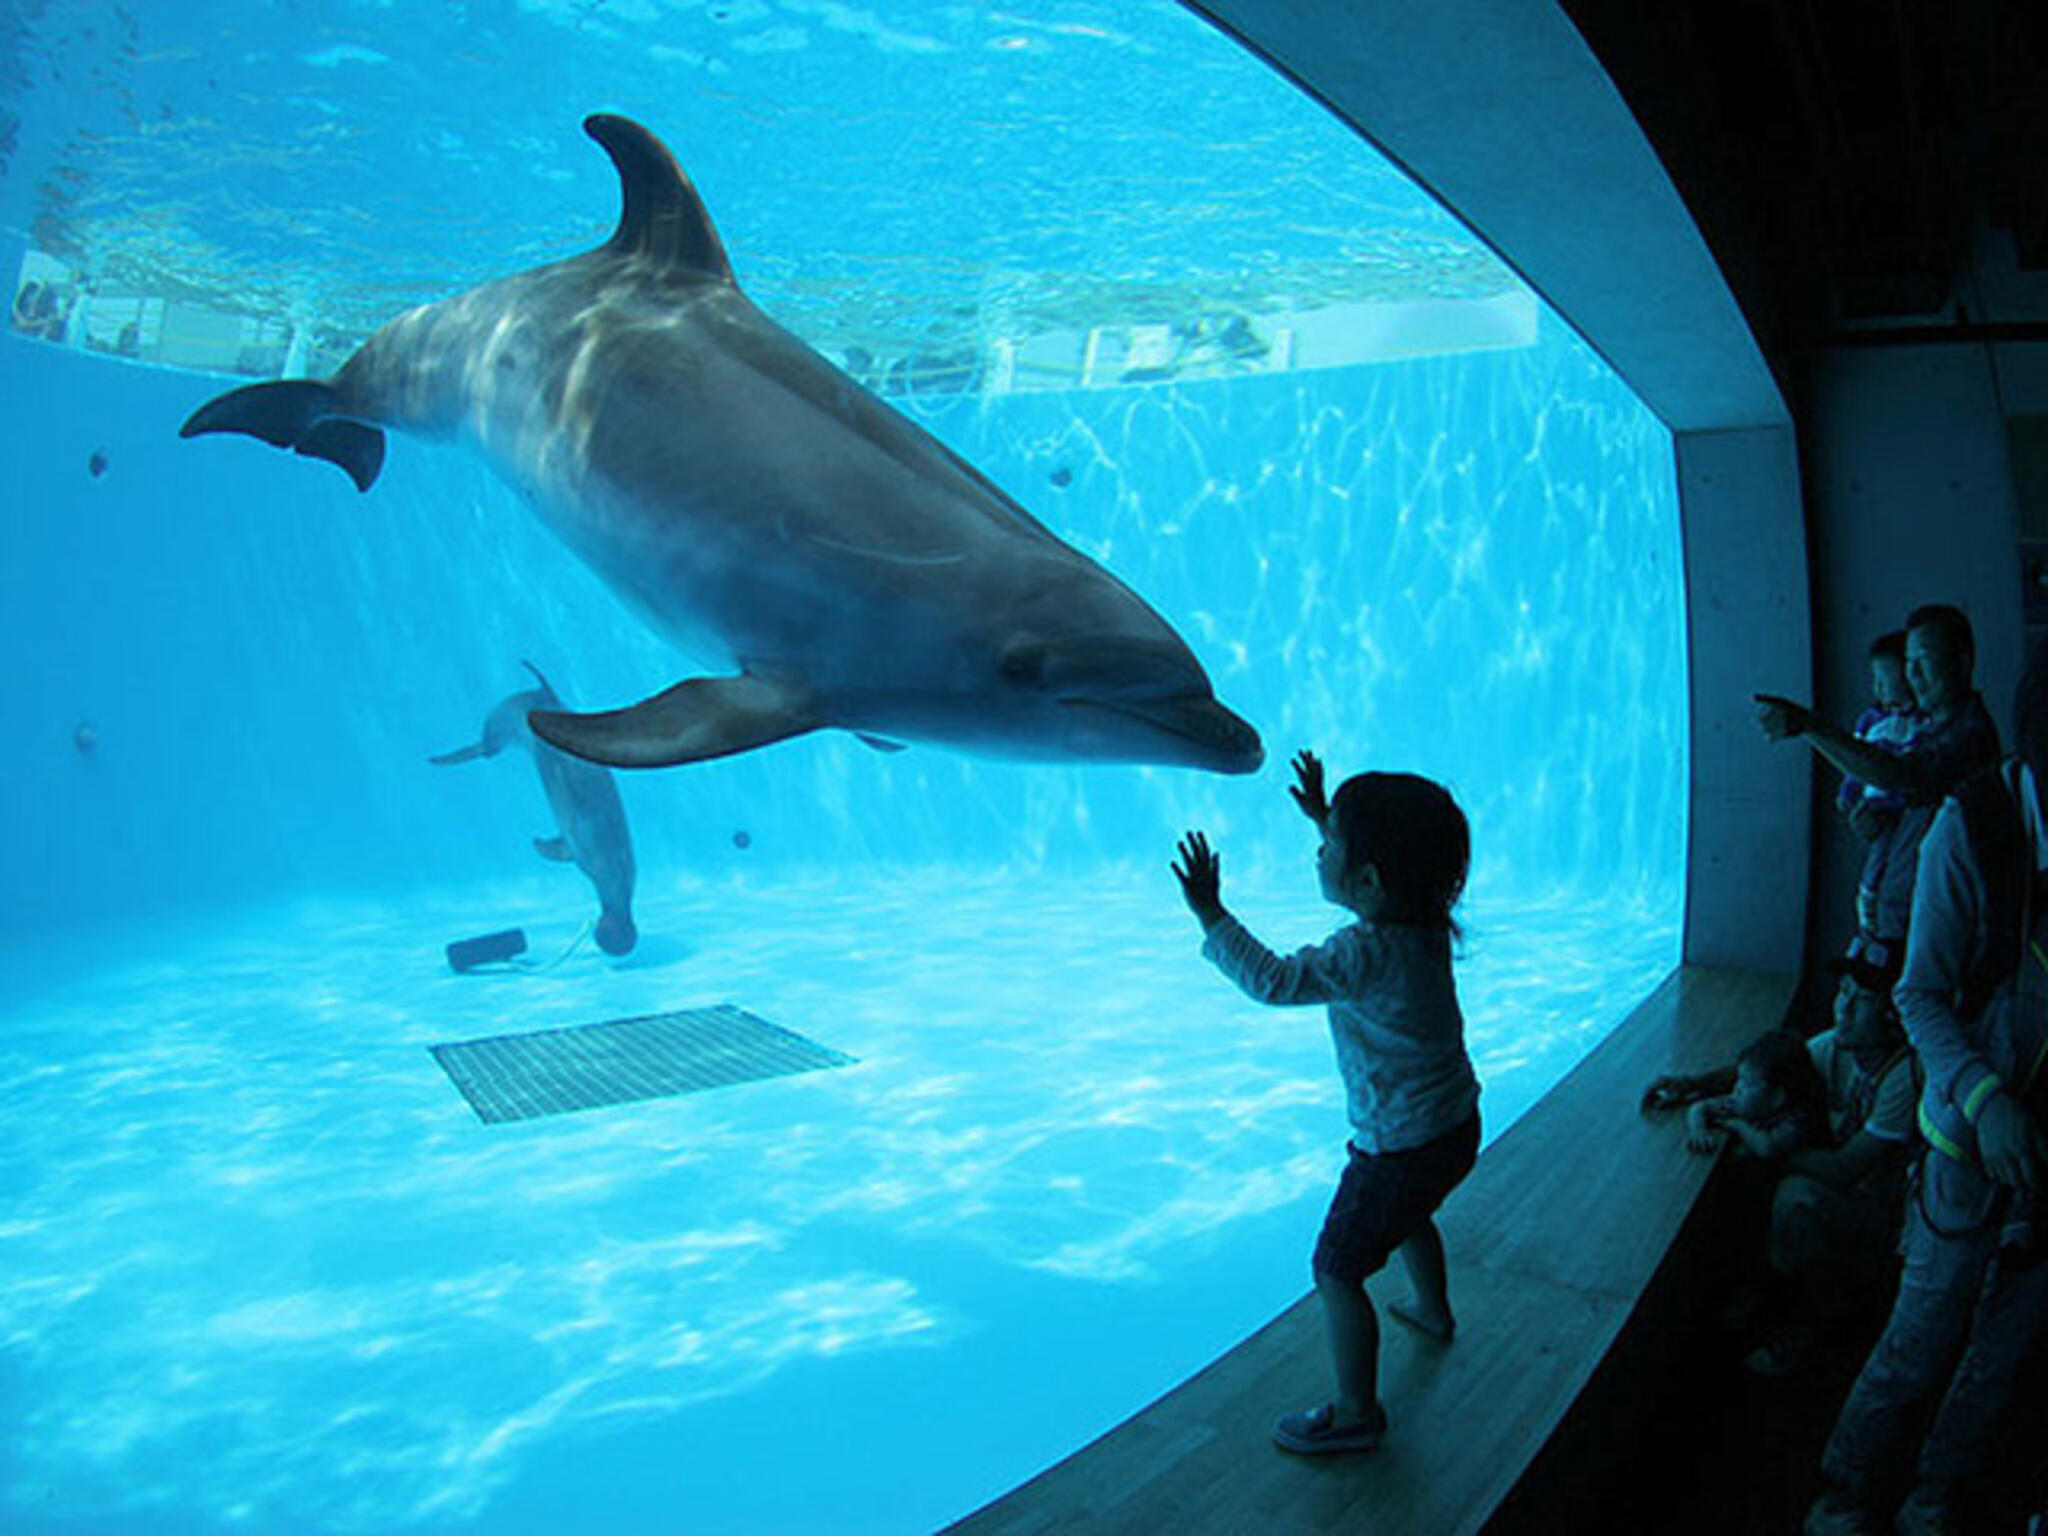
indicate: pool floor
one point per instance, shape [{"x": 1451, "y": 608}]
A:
[{"x": 261, "y": 1267}]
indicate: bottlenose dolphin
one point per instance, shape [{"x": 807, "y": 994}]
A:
[
  {"x": 748, "y": 498},
  {"x": 589, "y": 816}
]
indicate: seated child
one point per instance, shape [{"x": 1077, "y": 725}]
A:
[
  {"x": 1828, "y": 1256},
  {"x": 1778, "y": 1104},
  {"x": 1394, "y": 853}
]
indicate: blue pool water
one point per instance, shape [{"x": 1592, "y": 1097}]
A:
[{"x": 260, "y": 1267}]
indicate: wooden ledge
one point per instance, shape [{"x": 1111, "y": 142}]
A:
[{"x": 1551, "y": 1240}]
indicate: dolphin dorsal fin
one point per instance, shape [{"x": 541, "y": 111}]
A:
[
  {"x": 539, "y": 677},
  {"x": 662, "y": 217}
]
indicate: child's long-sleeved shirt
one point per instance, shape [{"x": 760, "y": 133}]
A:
[
  {"x": 1892, "y": 729},
  {"x": 1779, "y": 1134},
  {"x": 1393, "y": 1015}
]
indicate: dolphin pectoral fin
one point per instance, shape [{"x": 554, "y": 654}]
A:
[
  {"x": 555, "y": 849},
  {"x": 280, "y": 412},
  {"x": 303, "y": 415},
  {"x": 468, "y": 754},
  {"x": 702, "y": 718},
  {"x": 357, "y": 450}
]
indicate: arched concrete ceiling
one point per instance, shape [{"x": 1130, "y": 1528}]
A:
[{"x": 1500, "y": 109}]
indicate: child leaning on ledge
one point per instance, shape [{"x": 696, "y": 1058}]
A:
[
  {"x": 1394, "y": 852},
  {"x": 1777, "y": 1105}
]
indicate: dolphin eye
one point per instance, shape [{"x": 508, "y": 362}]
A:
[{"x": 1023, "y": 663}]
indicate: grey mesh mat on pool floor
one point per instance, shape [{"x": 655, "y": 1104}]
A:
[{"x": 557, "y": 1071}]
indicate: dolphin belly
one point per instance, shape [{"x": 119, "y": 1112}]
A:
[{"x": 592, "y": 818}]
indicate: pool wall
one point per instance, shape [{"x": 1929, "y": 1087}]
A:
[{"x": 1462, "y": 565}]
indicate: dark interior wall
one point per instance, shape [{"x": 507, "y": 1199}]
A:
[
  {"x": 1870, "y": 183},
  {"x": 1841, "y": 160},
  {"x": 1909, "y": 500}
]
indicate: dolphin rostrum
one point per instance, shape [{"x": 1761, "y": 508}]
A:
[
  {"x": 590, "y": 818},
  {"x": 734, "y": 487}
]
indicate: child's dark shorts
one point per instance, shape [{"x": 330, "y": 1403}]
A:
[{"x": 1385, "y": 1197}]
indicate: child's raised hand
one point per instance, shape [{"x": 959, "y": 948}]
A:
[
  {"x": 1200, "y": 873},
  {"x": 1307, "y": 787}
]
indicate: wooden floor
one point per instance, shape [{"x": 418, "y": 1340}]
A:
[{"x": 1551, "y": 1240}]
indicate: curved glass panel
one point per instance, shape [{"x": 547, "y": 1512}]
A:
[{"x": 992, "y": 1157}]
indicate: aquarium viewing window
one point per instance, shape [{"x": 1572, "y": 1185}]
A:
[{"x": 262, "y": 1266}]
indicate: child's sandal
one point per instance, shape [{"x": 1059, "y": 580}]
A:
[{"x": 1317, "y": 1433}]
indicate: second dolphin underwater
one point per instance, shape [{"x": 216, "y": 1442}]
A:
[
  {"x": 736, "y": 488},
  {"x": 590, "y": 818}
]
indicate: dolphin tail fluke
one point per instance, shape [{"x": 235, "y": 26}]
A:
[
  {"x": 468, "y": 754},
  {"x": 303, "y": 415},
  {"x": 616, "y": 933},
  {"x": 702, "y": 718}
]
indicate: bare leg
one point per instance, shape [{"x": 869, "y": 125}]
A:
[
  {"x": 1430, "y": 1312},
  {"x": 1354, "y": 1334}
]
